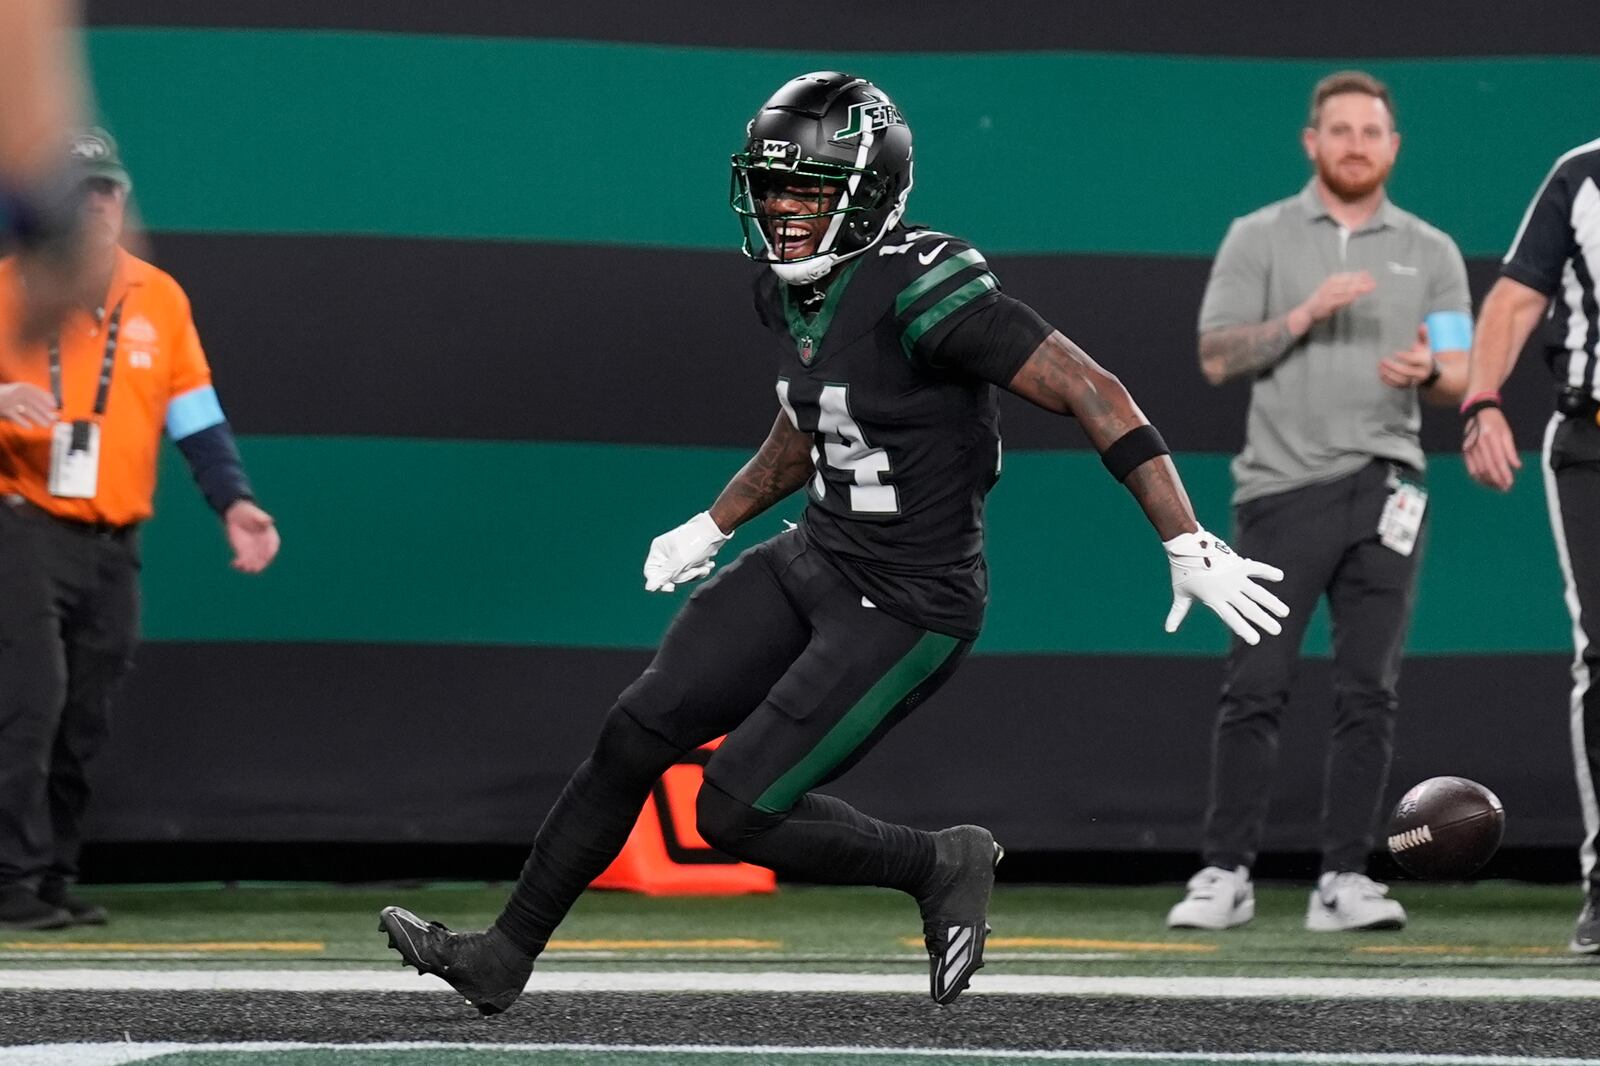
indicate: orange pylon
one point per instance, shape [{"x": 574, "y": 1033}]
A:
[{"x": 665, "y": 854}]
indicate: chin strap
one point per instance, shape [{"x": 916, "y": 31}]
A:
[{"x": 806, "y": 271}]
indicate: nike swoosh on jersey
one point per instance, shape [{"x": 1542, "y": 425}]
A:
[{"x": 931, "y": 256}]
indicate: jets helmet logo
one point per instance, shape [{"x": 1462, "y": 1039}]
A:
[
  {"x": 868, "y": 117},
  {"x": 780, "y": 155}
]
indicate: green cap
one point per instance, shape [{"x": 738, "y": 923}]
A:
[{"x": 93, "y": 153}]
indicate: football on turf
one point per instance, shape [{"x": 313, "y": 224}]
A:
[{"x": 1446, "y": 828}]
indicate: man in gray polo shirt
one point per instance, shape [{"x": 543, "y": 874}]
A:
[{"x": 1343, "y": 311}]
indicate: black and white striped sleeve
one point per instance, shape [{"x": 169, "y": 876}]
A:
[{"x": 1545, "y": 240}]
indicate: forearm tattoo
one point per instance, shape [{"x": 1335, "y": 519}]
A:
[
  {"x": 1235, "y": 351},
  {"x": 780, "y": 466},
  {"x": 1156, "y": 486}
]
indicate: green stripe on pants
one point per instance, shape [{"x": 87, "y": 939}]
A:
[{"x": 858, "y": 723}]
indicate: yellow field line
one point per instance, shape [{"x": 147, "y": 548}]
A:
[
  {"x": 726, "y": 944},
  {"x": 1078, "y": 944},
  {"x": 1450, "y": 949},
  {"x": 296, "y": 946}
]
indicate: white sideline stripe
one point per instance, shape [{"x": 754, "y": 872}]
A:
[
  {"x": 117, "y": 1054},
  {"x": 198, "y": 980}
]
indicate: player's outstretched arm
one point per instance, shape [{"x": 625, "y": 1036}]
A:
[
  {"x": 1060, "y": 377},
  {"x": 685, "y": 554}
]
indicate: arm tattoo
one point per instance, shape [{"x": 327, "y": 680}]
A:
[
  {"x": 1155, "y": 484},
  {"x": 1059, "y": 377},
  {"x": 780, "y": 466},
  {"x": 1235, "y": 351}
]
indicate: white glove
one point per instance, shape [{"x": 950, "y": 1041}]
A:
[
  {"x": 684, "y": 554},
  {"x": 1205, "y": 569}
]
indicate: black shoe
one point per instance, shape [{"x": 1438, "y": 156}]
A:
[
  {"x": 57, "y": 894},
  {"x": 21, "y": 908},
  {"x": 1586, "y": 936},
  {"x": 484, "y": 967},
  {"x": 955, "y": 912}
]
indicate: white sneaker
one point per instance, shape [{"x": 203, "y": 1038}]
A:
[
  {"x": 1344, "y": 901},
  {"x": 1215, "y": 899}
]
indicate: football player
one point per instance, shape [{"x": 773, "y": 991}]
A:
[{"x": 890, "y": 341}]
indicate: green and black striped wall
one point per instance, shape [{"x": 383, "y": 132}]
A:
[{"x": 472, "y": 293}]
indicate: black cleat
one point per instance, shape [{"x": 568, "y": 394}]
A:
[
  {"x": 57, "y": 894},
  {"x": 484, "y": 967},
  {"x": 1586, "y": 935},
  {"x": 20, "y": 908},
  {"x": 955, "y": 913}
]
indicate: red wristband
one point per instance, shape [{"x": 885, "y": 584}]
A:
[{"x": 1480, "y": 400}]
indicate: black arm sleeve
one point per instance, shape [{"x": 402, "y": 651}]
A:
[
  {"x": 994, "y": 341},
  {"x": 214, "y": 461},
  {"x": 1545, "y": 240}
]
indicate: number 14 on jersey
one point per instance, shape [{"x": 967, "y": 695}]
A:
[{"x": 844, "y": 448}]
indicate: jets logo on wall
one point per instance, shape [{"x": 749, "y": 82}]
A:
[{"x": 869, "y": 117}]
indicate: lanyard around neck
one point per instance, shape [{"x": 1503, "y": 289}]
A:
[{"x": 107, "y": 365}]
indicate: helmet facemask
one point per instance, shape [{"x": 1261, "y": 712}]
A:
[
  {"x": 805, "y": 217},
  {"x": 842, "y": 210}
]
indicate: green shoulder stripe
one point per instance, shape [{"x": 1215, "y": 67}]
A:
[
  {"x": 972, "y": 290},
  {"x": 954, "y": 265}
]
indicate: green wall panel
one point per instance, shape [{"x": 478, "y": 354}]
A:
[
  {"x": 332, "y": 132},
  {"x": 515, "y": 543}
]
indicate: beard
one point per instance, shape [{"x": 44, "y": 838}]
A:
[{"x": 1352, "y": 187}]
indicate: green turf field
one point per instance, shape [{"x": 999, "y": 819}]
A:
[{"x": 1505, "y": 927}]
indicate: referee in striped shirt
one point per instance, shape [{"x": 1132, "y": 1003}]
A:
[{"x": 1556, "y": 253}]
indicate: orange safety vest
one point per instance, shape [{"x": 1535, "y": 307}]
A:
[{"x": 158, "y": 358}]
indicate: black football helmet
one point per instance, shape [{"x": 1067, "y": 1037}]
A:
[{"x": 840, "y": 136}]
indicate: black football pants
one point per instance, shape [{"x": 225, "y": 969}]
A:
[
  {"x": 69, "y": 609},
  {"x": 1572, "y": 488},
  {"x": 779, "y": 652},
  {"x": 1324, "y": 538}
]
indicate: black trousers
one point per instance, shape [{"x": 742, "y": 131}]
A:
[
  {"x": 779, "y": 652},
  {"x": 69, "y": 608},
  {"x": 1325, "y": 539},
  {"x": 1572, "y": 488}
]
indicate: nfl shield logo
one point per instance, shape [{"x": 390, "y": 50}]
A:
[{"x": 806, "y": 350}]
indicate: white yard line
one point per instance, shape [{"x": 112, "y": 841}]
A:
[
  {"x": 563, "y": 980},
  {"x": 119, "y": 1054}
]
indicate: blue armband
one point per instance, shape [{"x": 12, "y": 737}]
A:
[
  {"x": 190, "y": 412},
  {"x": 1449, "y": 331}
]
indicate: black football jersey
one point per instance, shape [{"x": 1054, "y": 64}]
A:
[{"x": 906, "y": 426}]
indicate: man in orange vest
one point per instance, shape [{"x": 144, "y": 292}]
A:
[{"x": 81, "y": 418}]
